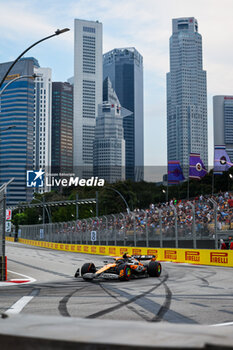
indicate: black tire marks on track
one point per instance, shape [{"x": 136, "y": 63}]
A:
[
  {"x": 62, "y": 308},
  {"x": 166, "y": 305},
  {"x": 40, "y": 268},
  {"x": 126, "y": 303},
  {"x": 130, "y": 307}
]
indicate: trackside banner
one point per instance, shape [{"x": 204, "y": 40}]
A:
[
  {"x": 193, "y": 256},
  {"x": 10, "y": 239}
]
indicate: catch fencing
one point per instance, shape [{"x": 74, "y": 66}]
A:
[{"x": 184, "y": 225}]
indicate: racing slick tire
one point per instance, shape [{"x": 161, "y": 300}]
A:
[
  {"x": 154, "y": 269},
  {"x": 124, "y": 272},
  {"x": 88, "y": 268}
]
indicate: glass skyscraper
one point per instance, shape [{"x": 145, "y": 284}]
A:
[
  {"x": 124, "y": 67},
  {"x": 223, "y": 122},
  {"x": 42, "y": 122},
  {"x": 109, "y": 143},
  {"x": 62, "y": 127},
  {"x": 88, "y": 81},
  {"x": 16, "y": 145},
  {"x": 186, "y": 94}
]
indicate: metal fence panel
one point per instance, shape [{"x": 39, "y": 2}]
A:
[{"x": 168, "y": 225}]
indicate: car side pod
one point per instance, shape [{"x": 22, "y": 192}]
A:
[{"x": 109, "y": 276}]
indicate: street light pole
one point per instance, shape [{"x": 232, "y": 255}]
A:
[
  {"x": 17, "y": 78},
  {"x": 44, "y": 208},
  {"x": 58, "y": 32},
  {"x": 113, "y": 189}
]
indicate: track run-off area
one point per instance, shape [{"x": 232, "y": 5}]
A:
[{"x": 183, "y": 294}]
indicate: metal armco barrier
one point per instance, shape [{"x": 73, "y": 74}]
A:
[{"x": 194, "y": 256}]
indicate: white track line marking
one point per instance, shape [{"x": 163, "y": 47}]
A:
[
  {"x": 19, "y": 305},
  {"x": 223, "y": 324}
]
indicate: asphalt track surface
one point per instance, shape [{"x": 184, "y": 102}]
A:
[{"x": 183, "y": 294}]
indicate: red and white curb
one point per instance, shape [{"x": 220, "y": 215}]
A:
[{"x": 13, "y": 282}]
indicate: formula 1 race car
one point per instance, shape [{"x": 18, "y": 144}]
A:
[{"x": 123, "y": 268}]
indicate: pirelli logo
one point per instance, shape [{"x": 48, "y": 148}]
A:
[
  {"x": 79, "y": 248},
  {"x": 112, "y": 250},
  {"x": 170, "y": 254},
  {"x": 85, "y": 248},
  {"x": 192, "y": 256},
  {"x": 152, "y": 251},
  {"x": 219, "y": 258},
  {"x": 102, "y": 250},
  {"x": 93, "y": 249},
  {"x": 136, "y": 251},
  {"x": 123, "y": 250}
]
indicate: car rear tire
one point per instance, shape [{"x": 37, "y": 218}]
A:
[
  {"x": 88, "y": 268},
  {"x": 154, "y": 269},
  {"x": 124, "y": 272}
]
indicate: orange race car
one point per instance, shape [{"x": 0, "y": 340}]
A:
[{"x": 123, "y": 268}]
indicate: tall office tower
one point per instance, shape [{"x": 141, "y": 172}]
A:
[
  {"x": 223, "y": 122},
  {"x": 62, "y": 127},
  {"x": 16, "y": 145},
  {"x": 87, "y": 91},
  {"x": 109, "y": 143},
  {"x": 186, "y": 94},
  {"x": 124, "y": 67},
  {"x": 42, "y": 121}
]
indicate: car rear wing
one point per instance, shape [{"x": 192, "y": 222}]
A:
[{"x": 143, "y": 257}]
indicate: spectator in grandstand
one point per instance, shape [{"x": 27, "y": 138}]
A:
[
  {"x": 230, "y": 202},
  {"x": 230, "y": 243},
  {"x": 222, "y": 244}
]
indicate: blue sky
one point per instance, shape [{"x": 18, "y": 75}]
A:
[{"x": 145, "y": 25}]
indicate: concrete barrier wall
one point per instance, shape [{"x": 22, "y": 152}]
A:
[
  {"x": 194, "y": 256},
  {"x": 26, "y": 332}
]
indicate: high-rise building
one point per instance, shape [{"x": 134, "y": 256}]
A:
[
  {"x": 223, "y": 122},
  {"x": 62, "y": 127},
  {"x": 42, "y": 121},
  {"x": 109, "y": 143},
  {"x": 186, "y": 94},
  {"x": 88, "y": 78},
  {"x": 124, "y": 67},
  {"x": 16, "y": 145}
]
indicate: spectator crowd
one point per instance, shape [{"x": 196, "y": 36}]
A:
[{"x": 187, "y": 215}]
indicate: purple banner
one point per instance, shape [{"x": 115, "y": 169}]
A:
[
  {"x": 197, "y": 169},
  {"x": 222, "y": 161},
  {"x": 175, "y": 174}
]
